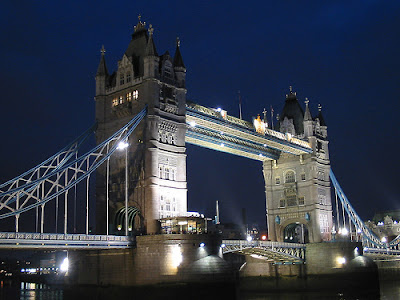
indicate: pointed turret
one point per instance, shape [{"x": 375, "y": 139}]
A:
[
  {"x": 150, "y": 48},
  {"x": 307, "y": 114},
  {"x": 178, "y": 60},
  {"x": 102, "y": 74},
  {"x": 320, "y": 117},
  {"x": 150, "y": 59},
  {"x": 308, "y": 121},
  {"x": 102, "y": 68},
  {"x": 179, "y": 66}
]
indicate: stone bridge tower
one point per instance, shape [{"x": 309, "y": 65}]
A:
[
  {"x": 156, "y": 153},
  {"x": 299, "y": 207}
]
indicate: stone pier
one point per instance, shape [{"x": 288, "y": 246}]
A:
[{"x": 174, "y": 258}]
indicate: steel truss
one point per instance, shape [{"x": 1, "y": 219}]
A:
[
  {"x": 57, "y": 180},
  {"x": 275, "y": 251},
  {"x": 369, "y": 238},
  {"x": 31, "y": 177}
]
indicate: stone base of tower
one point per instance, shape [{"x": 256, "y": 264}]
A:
[{"x": 177, "y": 258}]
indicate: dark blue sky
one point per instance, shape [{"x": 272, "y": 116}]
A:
[{"x": 342, "y": 54}]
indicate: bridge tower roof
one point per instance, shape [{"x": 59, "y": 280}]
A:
[{"x": 293, "y": 110}]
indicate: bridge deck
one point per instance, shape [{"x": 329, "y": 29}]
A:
[
  {"x": 211, "y": 129},
  {"x": 18, "y": 240}
]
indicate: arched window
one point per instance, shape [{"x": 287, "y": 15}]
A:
[{"x": 290, "y": 177}]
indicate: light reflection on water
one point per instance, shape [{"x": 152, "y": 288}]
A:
[
  {"x": 29, "y": 291},
  {"x": 34, "y": 291},
  {"x": 389, "y": 289}
]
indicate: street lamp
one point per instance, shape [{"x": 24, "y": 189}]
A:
[{"x": 121, "y": 146}]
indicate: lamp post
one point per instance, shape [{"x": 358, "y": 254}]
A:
[{"x": 121, "y": 146}]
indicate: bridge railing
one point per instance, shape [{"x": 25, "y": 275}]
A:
[
  {"x": 62, "y": 237},
  {"x": 270, "y": 244}
]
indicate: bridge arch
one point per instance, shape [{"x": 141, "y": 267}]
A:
[{"x": 295, "y": 231}]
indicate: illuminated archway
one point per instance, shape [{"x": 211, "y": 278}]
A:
[{"x": 296, "y": 233}]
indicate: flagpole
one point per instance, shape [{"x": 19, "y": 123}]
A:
[
  {"x": 240, "y": 106},
  {"x": 272, "y": 118}
]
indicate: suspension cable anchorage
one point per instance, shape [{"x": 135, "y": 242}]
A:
[{"x": 92, "y": 160}]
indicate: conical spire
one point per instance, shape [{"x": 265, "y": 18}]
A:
[
  {"x": 102, "y": 68},
  {"x": 320, "y": 117},
  {"x": 178, "y": 60},
  {"x": 307, "y": 114},
  {"x": 150, "y": 47}
]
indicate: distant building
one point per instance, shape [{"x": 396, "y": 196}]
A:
[{"x": 386, "y": 225}]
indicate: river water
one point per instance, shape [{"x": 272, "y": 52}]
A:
[{"x": 388, "y": 290}]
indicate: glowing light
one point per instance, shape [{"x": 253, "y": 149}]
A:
[
  {"x": 219, "y": 109},
  {"x": 343, "y": 231},
  {"x": 264, "y": 237},
  {"x": 177, "y": 257},
  {"x": 222, "y": 144},
  {"x": 223, "y": 245},
  {"x": 202, "y": 244},
  {"x": 182, "y": 222},
  {"x": 122, "y": 145},
  {"x": 192, "y": 123},
  {"x": 130, "y": 228},
  {"x": 249, "y": 238},
  {"x": 384, "y": 239},
  {"x": 359, "y": 230},
  {"x": 119, "y": 227},
  {"x": 356, "y": 253},
  {"x": 259, "y": 125},
  {"x": 341, "y": 260},
  {"x": 65, "y": 264}
]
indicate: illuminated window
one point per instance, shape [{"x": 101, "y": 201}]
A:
[
  {"x": 115, "y": 102},
  {"x": 135, "y": 94},
  {"x": 301, "y": 200},
  {"x": 128, "y": 77},
  {"x": 289, "y": 177},
  {"x": 121, "y": 99},
  {"x": 121, "y": 79},
  {"x": 277, "y": 180},
  {"x": 129, "y": 97}
]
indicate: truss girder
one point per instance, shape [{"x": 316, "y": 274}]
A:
[
  {"x": 210, "y": 131},
  {"x": 272, "y": 251},
  {"x": 367, "y": 234},
  {"x": 67, "y": 176},
  {"x": 53, "y": 163}
]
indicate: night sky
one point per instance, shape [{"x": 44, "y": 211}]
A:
[{"x": 341, "y": 54}]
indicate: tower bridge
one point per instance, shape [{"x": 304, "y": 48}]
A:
[{"x": 143, "y": 124}]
